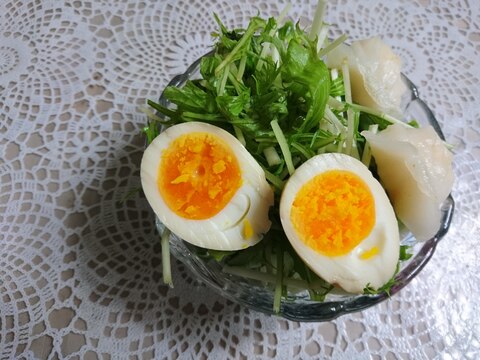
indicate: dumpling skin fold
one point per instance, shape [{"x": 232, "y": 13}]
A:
[
  {"x": 415, "y": 168},
  {"x": 374, "y": 73}
]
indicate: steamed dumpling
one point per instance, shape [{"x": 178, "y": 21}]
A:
[
  {"x": 415, "y": 168},
  {"x": 374, "y": 73}
]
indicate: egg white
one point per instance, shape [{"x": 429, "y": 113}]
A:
[
  {"x": 226, "y": 229},
  {"x": 349, "y": 271}
]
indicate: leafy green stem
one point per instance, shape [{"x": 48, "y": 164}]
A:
[
  {"x": 279, "y": 280},
  {"x": 165, "y": 244}
]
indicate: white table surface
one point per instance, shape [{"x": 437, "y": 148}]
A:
[{"x": 80, "y": 275}]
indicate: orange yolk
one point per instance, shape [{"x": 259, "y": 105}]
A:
[
  {"x": 198, "y": 175},
  {"x": 333, "y": 212}
]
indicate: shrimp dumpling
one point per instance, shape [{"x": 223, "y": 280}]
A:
[
  {"x": 375, "y": 73},
  {"x": 415, "y": 168}
]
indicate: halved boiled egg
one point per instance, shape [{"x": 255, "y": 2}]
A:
[
  {"x": 206, "y": 187},
  {"x": 339, "y": 220}
]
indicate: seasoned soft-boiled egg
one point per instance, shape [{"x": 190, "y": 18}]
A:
[
  {"x": 339, "y": 220},
  {"x": 206, "y": 188}
]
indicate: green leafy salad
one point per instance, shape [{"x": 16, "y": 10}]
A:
[{"x": 300, "y": 104}]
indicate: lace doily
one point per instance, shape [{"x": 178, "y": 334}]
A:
[{"x": 80, "y": 272}]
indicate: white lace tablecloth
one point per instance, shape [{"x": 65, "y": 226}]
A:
[{"x": 80, "y": 274}]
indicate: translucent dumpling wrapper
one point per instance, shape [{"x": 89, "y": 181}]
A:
[
  {"x": 375, "y": 73},
  {"x": 415, "y": 168}
]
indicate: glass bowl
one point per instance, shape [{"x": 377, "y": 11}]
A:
[{"x": 259, "y": 296}]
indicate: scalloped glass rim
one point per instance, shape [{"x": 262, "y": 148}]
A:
[{"x": 258, "y": 296}]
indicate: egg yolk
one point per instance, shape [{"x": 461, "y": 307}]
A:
[
  {"x": 333, "y": 212},
  {"x": 198, "y": 175}
]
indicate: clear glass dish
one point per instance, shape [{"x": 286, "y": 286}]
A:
[{"x": 259, "y": 296}]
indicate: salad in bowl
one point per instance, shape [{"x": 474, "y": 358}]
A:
[{"x": 295, "y": 174}]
